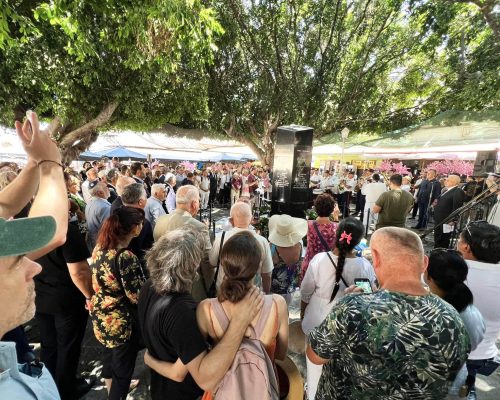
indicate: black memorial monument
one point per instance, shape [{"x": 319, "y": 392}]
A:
[{"x": 291, "y": 170}]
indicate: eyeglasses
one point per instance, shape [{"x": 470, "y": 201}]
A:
[{"x": 473, "y": 223}]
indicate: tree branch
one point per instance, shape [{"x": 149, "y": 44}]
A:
[{"x": 104, "y": 116}]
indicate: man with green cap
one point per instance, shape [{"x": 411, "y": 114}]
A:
[{"x": 23, "y": 240}]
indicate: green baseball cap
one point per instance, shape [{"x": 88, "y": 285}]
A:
[{"x": 24, "y": 235}]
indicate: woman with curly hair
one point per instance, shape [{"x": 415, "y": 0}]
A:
[
  {"x": 321, "y": 232},
  {"x": 328, "y": 275},
  {"x": 117, "y": 278}
]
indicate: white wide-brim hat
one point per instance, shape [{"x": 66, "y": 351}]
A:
[{"x": 286, "y": 231}]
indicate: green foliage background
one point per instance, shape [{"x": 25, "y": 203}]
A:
[{"x": 241, "y": 68}]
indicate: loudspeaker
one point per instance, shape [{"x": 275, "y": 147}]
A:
[{"x": 486, "y": 161}]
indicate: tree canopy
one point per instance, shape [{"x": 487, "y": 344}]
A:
[
  {"x": 106, "y": 62},
  {"x": 242, "y": 68}
]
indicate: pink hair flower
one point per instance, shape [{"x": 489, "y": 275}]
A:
[{"x": 347, "y": 237}]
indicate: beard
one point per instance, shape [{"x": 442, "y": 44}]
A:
[{"x": 29, "y": 306}]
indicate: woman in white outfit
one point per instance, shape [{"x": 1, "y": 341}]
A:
[
  {"x": 327, "y": 276},
  {"x": 204, "y": 189}
]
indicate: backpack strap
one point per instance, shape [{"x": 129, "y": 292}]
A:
[
  {"x": 264, "y": 316},
  {"x": 220, "y": 314},
  {"x": 320, "y": 236}
]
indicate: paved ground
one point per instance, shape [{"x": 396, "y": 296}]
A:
[{"x": 90, "y": 365}]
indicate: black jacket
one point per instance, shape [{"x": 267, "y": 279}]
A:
[{"x": 448, "y": 202}]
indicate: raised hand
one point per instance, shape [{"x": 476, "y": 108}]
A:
[
  {"x": 37, "y": 144},
  {"x": 247, "y": 309}
]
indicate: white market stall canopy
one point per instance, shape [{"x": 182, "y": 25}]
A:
[
  {"x": 159, "y": 146},
  {"x": 430, "y": 140}
]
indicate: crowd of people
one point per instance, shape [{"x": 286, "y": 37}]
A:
[
  {"x": 121, "y": 245},
  {"x": 390, "y": 200}
]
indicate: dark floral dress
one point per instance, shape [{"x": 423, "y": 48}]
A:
[
  {"x": 314, "y": 245},
  {"x": 113, "y": 301}
]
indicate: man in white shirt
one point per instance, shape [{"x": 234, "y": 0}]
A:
[
  {"x": 170, "y": 202},
  {"x": 154, "y": 207},
  {"x": 315, "y": 182},
  {"x": 204, "y": 189},
  {"x": 240, "y": 218},
  {"x": 372, "y": 191},
  {"x": 224, "y": 187},
  {"x": 91, "y": 177},
  {"x": 345, "y": 193}
]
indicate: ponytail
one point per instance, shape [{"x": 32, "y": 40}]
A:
[
  {"x": 459, "y": 296},
  {"x": 343, "y": 248},
  {"x": 349, "y": 234},
  {"x": 448, "y": 271}
]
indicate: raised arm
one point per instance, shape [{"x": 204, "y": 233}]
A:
[
  {"x": 20, "y": 191},
  {"x": 51, "y": 198},
  {"x": 208, "y": 369}
]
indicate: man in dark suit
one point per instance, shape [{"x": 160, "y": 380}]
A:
[
  {"x": 449, "y": 201},
  {"x": 428, "y": 193}
]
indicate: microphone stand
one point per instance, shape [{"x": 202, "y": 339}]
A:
[{"x": 485, "y": 194}]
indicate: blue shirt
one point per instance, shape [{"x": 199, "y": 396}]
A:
[
  {"x": 96, "y": 213},
  {"x": 153, "y": 210},
  {"x": 24, "y": 381}
]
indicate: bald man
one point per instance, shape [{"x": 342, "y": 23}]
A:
[
  {"x": 453, "y": 198},
  {"x": 398, "y": 342},
  {"x": 121, "y": 183},
  {"x": 240, "y": 218}
]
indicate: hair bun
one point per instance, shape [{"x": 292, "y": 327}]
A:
[{"x": 233, "y": 289}]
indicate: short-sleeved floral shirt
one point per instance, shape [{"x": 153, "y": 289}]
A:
[
  {"x": 314, "y": 244},
  {"x": 389, "y": 345},
  {"x": 112, "y": 301}
]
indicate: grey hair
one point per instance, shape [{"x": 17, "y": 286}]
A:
[
  {"x": 186, "y": 194},
  {"x": 156, "y": 187},
  {"x": 401, "y": 241},
  {"x": 133, "y": 193},
  {"x": 174, "y": 259},
  {"x": 241, "y": 210},
  {"x": 99, "y": 187},
  {"x": 6, "y": 177},
  {"x": 111, "y": 174}
]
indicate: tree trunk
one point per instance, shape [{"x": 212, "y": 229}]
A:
[
  {"x": 73, "y": 142},
  {"x": 261, "y": 143}
]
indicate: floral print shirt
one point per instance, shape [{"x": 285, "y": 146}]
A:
[
  {"x": 314, "y": 245},
  {"x": 390, "y": 345},
  {"x": 113, "y": 301}
]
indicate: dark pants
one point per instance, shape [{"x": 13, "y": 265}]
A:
[
  {"x": 360, "y": 204},
  {"x": 441, "y": 240},
  {"x": 224, "y": 196},
  {"x": 61, "y": 338},
  {"x": 422, "y": 214},
  {"x": 118, "y": 364},
  {"x": 415, "y": 210},
  {"x": 344, "y": 201},
  {"x": 482, "y": 367}
]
